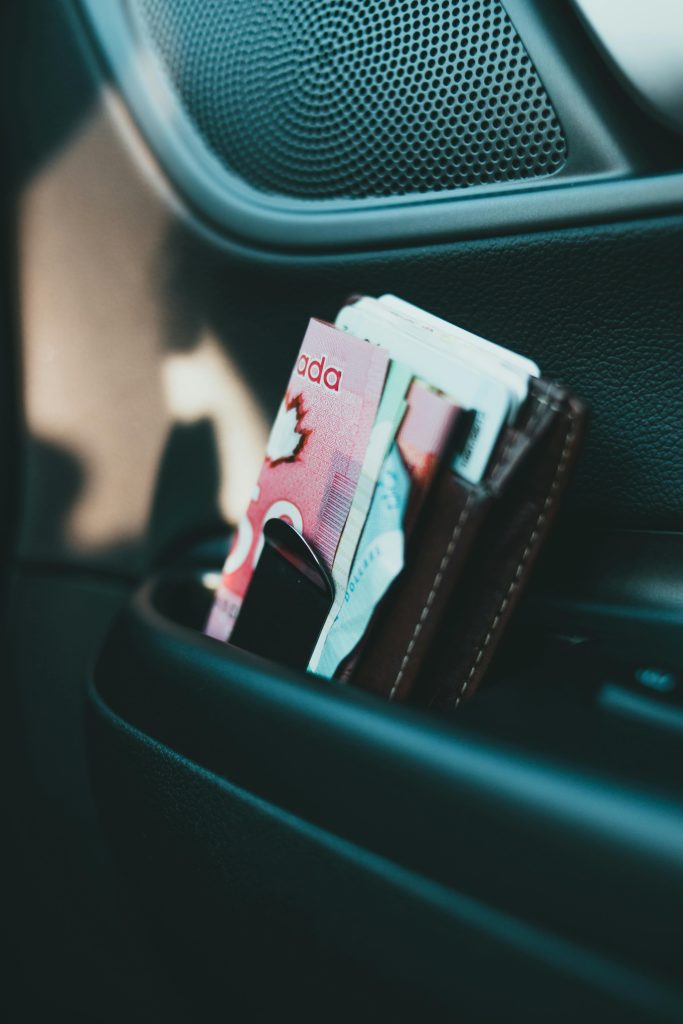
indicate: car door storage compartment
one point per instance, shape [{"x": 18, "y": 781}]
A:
[{"x": 555, "y": 873}]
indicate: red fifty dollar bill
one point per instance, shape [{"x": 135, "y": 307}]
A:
[{"x": 313, "y": 458}]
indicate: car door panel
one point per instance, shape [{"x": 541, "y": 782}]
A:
[{"x": 260, "y": 820}]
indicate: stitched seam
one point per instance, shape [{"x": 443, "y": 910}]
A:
[
  {"x": 514, "y": 582},
  {"x": 424, "y": 614}
]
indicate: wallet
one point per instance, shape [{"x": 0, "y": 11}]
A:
[
  {"x": 467, "y": 552},
  {"x": 435, "y": 633}
]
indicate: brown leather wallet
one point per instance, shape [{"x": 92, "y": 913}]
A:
[{"x": 433, "y": 636}]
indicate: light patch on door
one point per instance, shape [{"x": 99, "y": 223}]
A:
[{"x": 204, "y": 384}]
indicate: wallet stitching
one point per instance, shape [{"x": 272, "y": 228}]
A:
[
  {"x": 533, "y": 537},
  {"x": 424, "y": 614}
]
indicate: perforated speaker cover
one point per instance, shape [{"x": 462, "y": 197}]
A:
[{"x": 357, "y": 98}]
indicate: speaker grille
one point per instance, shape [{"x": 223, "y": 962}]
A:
[{"x": 330, "y": 99}]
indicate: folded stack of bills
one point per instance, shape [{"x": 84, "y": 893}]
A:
[{"x": 376, "y": 403}]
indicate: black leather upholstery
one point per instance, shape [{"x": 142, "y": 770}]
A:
[{"x": 600, "y": 309}]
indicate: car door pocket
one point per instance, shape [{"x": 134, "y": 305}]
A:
[
  {"x": 190, "y": 741},
  {"x": 569, "y": 650}
]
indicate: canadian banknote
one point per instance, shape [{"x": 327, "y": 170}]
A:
[
  {"x": 314, "y": 457},
  {"x": 404, "y": 481}
]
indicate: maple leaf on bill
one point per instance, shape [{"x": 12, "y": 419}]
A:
[{"x": 288, "y": 436}]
